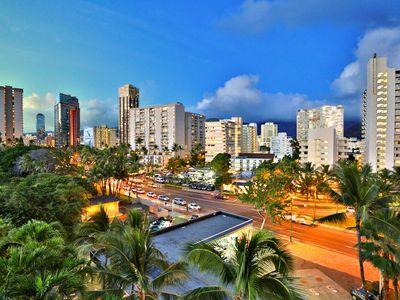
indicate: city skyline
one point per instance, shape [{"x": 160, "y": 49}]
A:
[{"x": 160, "y": 56}]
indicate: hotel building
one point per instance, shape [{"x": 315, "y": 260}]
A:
[
  {"x": 128, "y": 99},
  {"x": 268, "y": 130},
  {"x": 280, "y": 145},
  {"x": 11, "y": 113},
  {"x": 249, "y": 138},
  {"x": 194, "y": 130},
  {"x": 67, "y": 121},
  {"x": 381, "y": 115},
  {"x": 104, "y": 137}
]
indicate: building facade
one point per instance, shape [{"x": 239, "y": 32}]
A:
[
  {"x": 157, "y": 127},
  {"x": 40, "y": 126},
  {"x": 88, "y": 137},
  {"x": 128, "y": 99},
  {"x": 268, "y": 130},
  {"x": 249, "y": 138},
  {"x": 104, "y": 137},
  {"x": 11, "y": 113},
  {"x": 280, "y": 145},
  {"x": 249, "y": 161},
  {"x": 67, "y": 121},
  {"x": 322, "y": 117},
  {"x": 194, "y": 130},
  {"x": 222, "y": 137},
  {"x": 381, "y": 116}
]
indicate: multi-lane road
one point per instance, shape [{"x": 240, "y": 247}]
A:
[{"x": 333, "y": 239}]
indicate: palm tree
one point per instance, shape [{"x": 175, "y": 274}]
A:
[
  {"x": 382, "y": 247},
  {"x": 258, "y": 267},
  {"x": 356, "y": 188},
  {"x": 176, "y": 148},
  {"x": 136, "y": 267}
]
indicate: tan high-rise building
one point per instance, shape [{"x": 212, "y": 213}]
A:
[
  {"x": 128, "y": 98},
  {"x": 11, "y": 113},
  {"x": 249, "y": 138},
  {"x": 223, "y": 136},
  {"x": 195, "y": 130},
  {"x": 381, "y": 115},
  {"x": 104, "y": 137},
  {"x": 268, "y": 130}
]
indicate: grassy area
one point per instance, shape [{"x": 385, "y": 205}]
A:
[{"x": 178, "y": 220}]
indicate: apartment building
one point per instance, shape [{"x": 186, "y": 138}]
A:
[
  {"x": 67, "y": 121},
  {"x": 249, "y": 138},
  {"x": 381, "y": 115},
  {"x": 249, "y": 161},
  {"x": 11, "y": 113},
  {"x": 268, "y": 130},
  {"x": 128, "y": 99},
  {"x": 157, "y": 127},
  {"x": 223, "y": 136},
  {"x": 194, "y": 130},
  {"x": 280, "y": 145},
  {"x": 104, "y": 137}
]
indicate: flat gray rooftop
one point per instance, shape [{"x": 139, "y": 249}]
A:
[{"x": 172, "y": 240}]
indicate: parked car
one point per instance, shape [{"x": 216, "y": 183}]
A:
[
  {"x": 362, "y": 294},
  {"x": 163, "y": 198},
  {"x": 151, "y": 195},
  {"x": 194, "y": 206},
  {"x": 305, "y": 220},
  {"x": 179, "y": 201},
  {"x": 159, "y": 180},
  {"x": 193, "y": 217},
  {"x": 160, "y": 223},
  {"x": 140, "y": 191},
  {"x": 350, "y": 210}
]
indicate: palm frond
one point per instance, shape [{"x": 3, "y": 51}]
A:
[
  {"x": 207, "y": 293},
  {"x": 334, "y": 218}
]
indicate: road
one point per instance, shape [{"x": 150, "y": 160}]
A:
[{"x": 332, "y": 239}]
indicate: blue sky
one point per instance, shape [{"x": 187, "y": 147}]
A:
[{"x": 257, "y": 58}]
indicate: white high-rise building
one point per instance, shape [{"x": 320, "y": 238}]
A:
[
  {"x": 223, "y": 136},
  {"x": 157, "y": 126},
  {"x": 268, "y": 130},
  {"x": 249, "y": 138},
  {"x": 280, "y": 145},
  {"x": 381, "y": 115},
  {"x": 322, "y": 117},
  {"x": 11, "y": 113},
  {"x": 322, "y": 146}
]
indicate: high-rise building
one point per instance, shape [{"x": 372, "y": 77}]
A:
[
  {"x": 104, "y": 137},
  {"x": 322, "y": 146},
  {"x": 11, "y": 113},
  {"x": 268, "y": 130},
  {"x": 128, "y": 99},
  {"x": 222, "y": 137},
  {"x": 249, "y": 138},
  {"x": 195, "y": 130},
  {"x": 40, "y": 126},
  {"x": 381, "y": 115},
  {"x": 280, "y": 145},
  {"x": 88, "y": 137},
  {"x": 67, "y": 121},
  {"x": 322, "y": 117},
  {"x": 157, "y": 127}
]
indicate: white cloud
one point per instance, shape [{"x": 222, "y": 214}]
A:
[
  {"x": 382, "y": 41},
  {"x": 96, "y": 112},
  {"x": 34, "y": 104},
  {"x": 241, "y": 96}
]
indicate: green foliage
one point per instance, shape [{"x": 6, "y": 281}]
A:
[
  {"x": 295, "y": 149},
  {"x": 221, "y": 163},
  {"x": 8, "y": 156},
  {"x": 47, "y": 197},
  {"x": 259, "y": 267},
  {"x": 176, "y": 164},
  {"x": 36, "y": 263}
]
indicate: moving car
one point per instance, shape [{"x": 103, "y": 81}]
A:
[
  {"x": 179, "y": 201},
  {"x": 151, "y": 195},
  {"x": 219, "y": 196},
  {"x": 163, "y": 198},
  {"x": 288, "y": 217},
  {"x": 193, "y": 217},
  {"x": 194, "y": 206},
  {"x": 140, "y": 191},
  {"x": 305, "y": 220},
  {"x": 159, "y": 180}
]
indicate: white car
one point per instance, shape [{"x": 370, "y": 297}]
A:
[
  {"x": 305, "y": 220},
  {"x": 160, "y": 180},
  {"x": 194, "y": 206},
  {"x": 140, "y": 191},
  {"x": 288, "y": 217},
  {"x": 163, "y": 198},
  {"x": 350, "y": 210},
  {"x": 179, "y": 201},
  {"x": 151, "y": 195}
]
